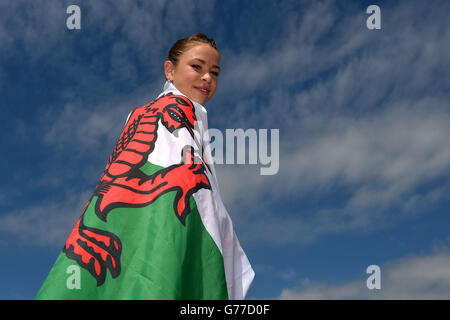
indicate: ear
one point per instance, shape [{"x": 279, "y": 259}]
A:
[{"x": 169, "y": 69}]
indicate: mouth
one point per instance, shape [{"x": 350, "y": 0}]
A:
[{"x": 204, "y": 91}]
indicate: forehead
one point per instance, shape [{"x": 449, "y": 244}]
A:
[{"x": 203, "y": 52}]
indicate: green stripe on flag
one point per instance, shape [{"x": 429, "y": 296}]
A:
[{"x": 161, "y": 258}]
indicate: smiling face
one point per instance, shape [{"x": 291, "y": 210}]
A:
[{"x": 196, "y": 72}]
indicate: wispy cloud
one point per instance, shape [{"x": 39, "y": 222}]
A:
[
  {"x": 372, "y": 125},
  {"x": 412, "y": 277},
  {"x": 46, "y": 223},
  {"x": 380, "y": 161}
]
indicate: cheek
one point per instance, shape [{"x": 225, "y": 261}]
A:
[
  {"x": 191, "y": 79},
  {"x": 214, "y": 86},
  {"x": 186, "y": 76}
]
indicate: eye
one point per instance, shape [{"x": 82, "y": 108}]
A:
[
  {"x": 196, "y": 66},
  {"x": 215, "y": 73}
]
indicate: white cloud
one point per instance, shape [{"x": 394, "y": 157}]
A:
[
  {"x": 412, "y": 277},
  {"x": 47, "y": 223},
  {"x": 373, "y": 123},
  {"x": 397, "y": 149},
  {"x": 380, "y": 161},
  {"x": 86, "y": 128},
  {"x": 331, "y": 71},
  {"x": 33, "y": 26},
  {"x": 80, "y": 127}
]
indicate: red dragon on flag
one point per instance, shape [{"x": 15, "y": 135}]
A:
[{"x": 123, "y": 184}]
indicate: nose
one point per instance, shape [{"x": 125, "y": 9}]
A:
[{"x": 207, "y": 77}]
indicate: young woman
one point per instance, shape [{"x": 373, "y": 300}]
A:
[{"x": 155, "y": 226}]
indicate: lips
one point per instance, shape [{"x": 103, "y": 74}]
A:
[{"x": 203, "y": 90}]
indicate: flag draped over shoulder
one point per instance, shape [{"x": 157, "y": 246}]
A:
[{"x": 155, "y": 227}]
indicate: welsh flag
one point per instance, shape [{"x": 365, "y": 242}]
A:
[{"x": 155, "y": 226}]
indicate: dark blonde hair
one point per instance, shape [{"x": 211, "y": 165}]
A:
[{"x": 185, "y": 44}]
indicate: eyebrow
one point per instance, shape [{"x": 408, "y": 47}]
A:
[{"x": 203, "y": 61}]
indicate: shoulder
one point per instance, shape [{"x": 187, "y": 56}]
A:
[
  {"x": 176, "y": 98},
  {"x": 164, "y": 101}
]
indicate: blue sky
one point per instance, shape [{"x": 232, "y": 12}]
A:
[{"x": 363, "y": 118}]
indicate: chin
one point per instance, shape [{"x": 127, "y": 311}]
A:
[{"x": 201, "y": 100}]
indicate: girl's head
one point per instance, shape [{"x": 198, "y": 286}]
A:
[{"x": 193, "y": 67}]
